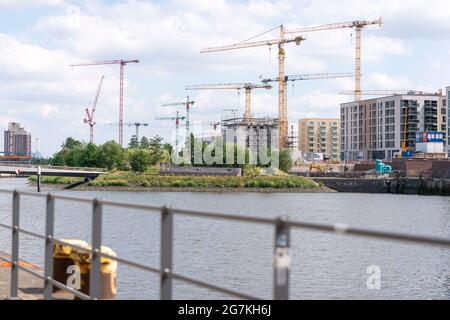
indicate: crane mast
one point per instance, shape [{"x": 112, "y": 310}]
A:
[
  {"x": 90, "y": 113},
  {"x": 282, "y": 96},
  {"x": 282, "y": 99},
  {"x": 188, "y": 104},
  {"x": 122, "y": 64},
  {"x": 177, "y": 127}
]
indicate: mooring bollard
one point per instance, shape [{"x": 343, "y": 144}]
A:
[{"x": 72, "y": 267}]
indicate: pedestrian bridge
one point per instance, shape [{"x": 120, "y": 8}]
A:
[{"x": 21, "y": 170}]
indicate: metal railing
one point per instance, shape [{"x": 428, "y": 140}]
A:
[{"x": 282, "y": 246}]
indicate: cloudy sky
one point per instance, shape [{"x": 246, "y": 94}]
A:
[{"x": 40, "y": 38}]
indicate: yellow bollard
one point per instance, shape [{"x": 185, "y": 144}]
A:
[{"x": 108, "y": 271}]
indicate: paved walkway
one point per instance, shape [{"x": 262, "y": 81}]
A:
[{"x": 30, "y": 287}]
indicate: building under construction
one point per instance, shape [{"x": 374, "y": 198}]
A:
[{"x": 256, "y": 134}]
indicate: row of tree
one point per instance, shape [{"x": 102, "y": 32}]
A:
[
  {"x": 140, "y": 155},
  {"x": 110, "y": 155}
]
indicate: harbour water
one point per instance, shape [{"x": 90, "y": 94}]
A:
[{"x": 239, "y": 256}]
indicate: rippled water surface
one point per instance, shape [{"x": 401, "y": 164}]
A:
[{"x": 239, "y": 256}]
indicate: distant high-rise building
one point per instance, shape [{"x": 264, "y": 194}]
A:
[
  {"x": 375, "y": 128},
  {"x": 17, "y": 142},
  {"x": 320, "y": 135}
]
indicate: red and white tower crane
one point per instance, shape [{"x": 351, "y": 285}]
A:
[
  {"x": 122, "y": 64},
  {"x": 90, "y": 113}
]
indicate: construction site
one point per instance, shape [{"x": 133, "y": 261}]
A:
[{"x": 380, "y": 128}]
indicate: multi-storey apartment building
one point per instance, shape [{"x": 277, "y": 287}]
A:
[
  {"x": 375, "y": 128},
  {"x": 17, "y": 142},
  {"x": 448, "y": 118},
  {"x": 317, "y": 135}
]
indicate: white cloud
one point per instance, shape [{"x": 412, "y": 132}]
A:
[
  {"x": 403, "y": 18},
  {"x": 386, "y": 82},
  {"x": 167, "y": 37},
  {"x": 8, "y": 4}
]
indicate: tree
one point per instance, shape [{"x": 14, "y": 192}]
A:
[
  {"x": 71, "y": 143},
  {"x": 145, "y": 143},
  {"x": 134, "y": 143},
  {"x": 88, "y": 157},
  {"x": 156, "y": 150},
  {"x": 168, "y": 147},
  {"x": 138, "y": 159},
  {"x": 110, "y": 155},
  {"x": 286, "y": 162},
  {"x": 57, "y": 159}
]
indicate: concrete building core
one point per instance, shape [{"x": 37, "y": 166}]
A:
[
  {"x": 320, "y": 135},
  {"x": 257, "y": 134},
  {"x": 17, "y": 142},
  {"x": 374, "y": 128},
  {"x": 292, "y": 136}
]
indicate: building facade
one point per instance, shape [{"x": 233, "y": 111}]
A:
[
  {"x": 292, "y": 137},
  {"x": 375, "y": 128},
  {"x": 448, "y": 119},
  {"x": 320, "y": 135},
  {"x": 17, "y": 141}
]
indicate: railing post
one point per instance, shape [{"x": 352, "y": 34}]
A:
[
  {"x": 15, "y": 245},
  {"x": 166, "y": 253},
  {"x": 282, "y": 261},
  {"x": 95, "y": 272},
  {"x": 49, "y": 230}
]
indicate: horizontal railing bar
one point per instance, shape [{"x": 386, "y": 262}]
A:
[
  {"x": 122, "y": 260},
  {"x": 294, "y": 224},
  {"x": 381, "y": 235},
  {"x": 67, "y": 198},
  {"x": 132, "y": 264},
  {"x": 5, "y": 259},
  {"x": 250, "y": 219},
  {"x": 30, "y": 233},
  {"x": 129, "y": 205},
  {"x": 30, "y": 194},
  {"x": 85, "y": 250},
  {"x": 155, "y": 270},
  {"x": 5, "y": 226},
  {"x": 32, "y": 272},
  {"x": 212, "y": 287}
]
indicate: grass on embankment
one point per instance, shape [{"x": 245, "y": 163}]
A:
[
  {"x": 56, "y": 180},
  {"x": 154, "y": 181},
  {"x": 130, "y": 179}
]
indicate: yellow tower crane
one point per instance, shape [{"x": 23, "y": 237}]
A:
[
  {"x": 248, "y": 87},
  {"x": 358, "y": 26},
  {"x": 281, "y": 41}
]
